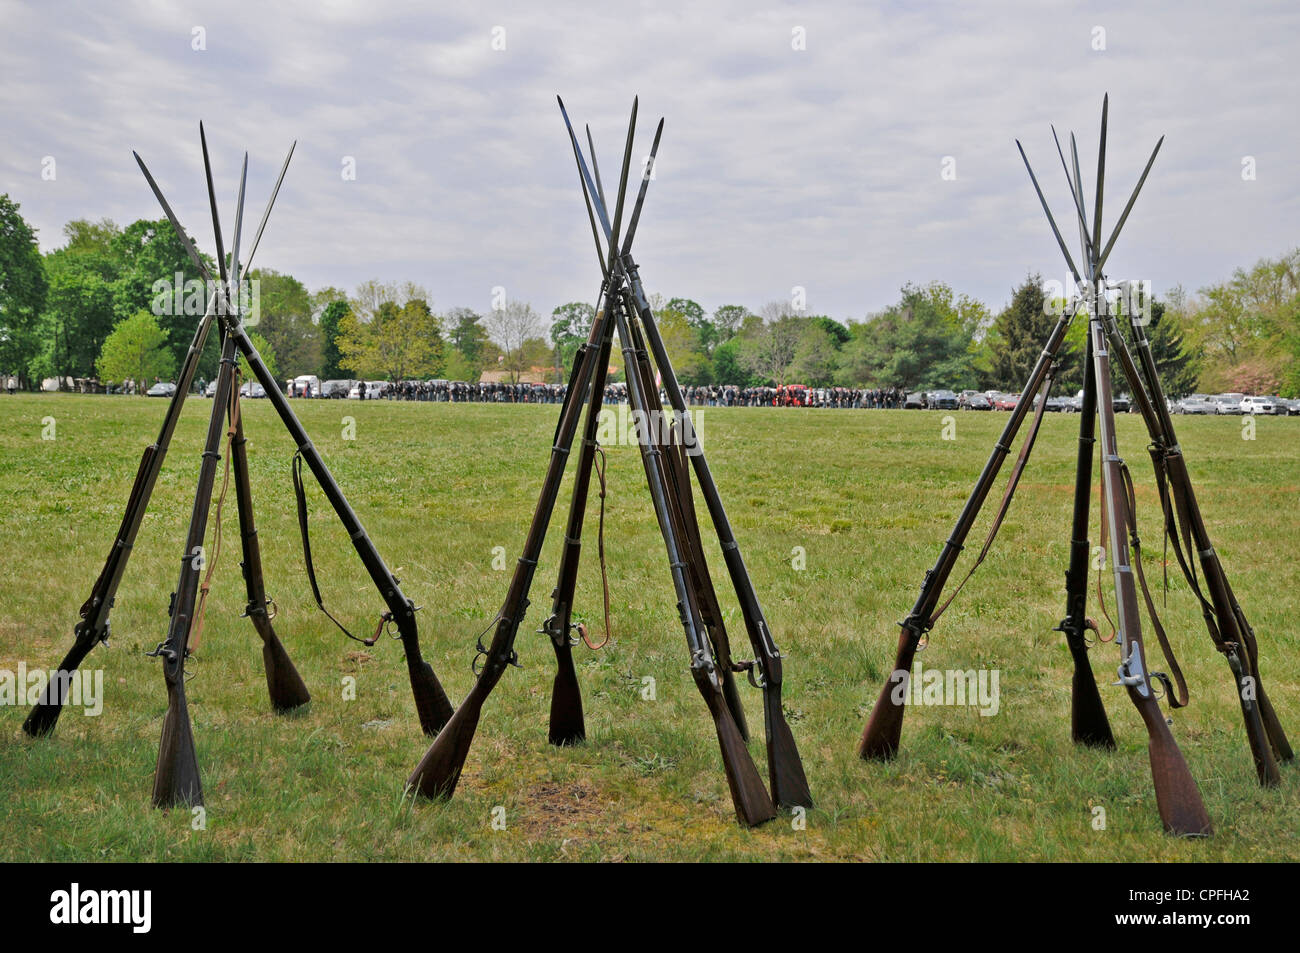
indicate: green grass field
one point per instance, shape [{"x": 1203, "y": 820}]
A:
[{"x": 868, "y": 496}]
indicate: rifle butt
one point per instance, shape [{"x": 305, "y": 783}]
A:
[
  {"x": 784, "y": 766},
  {"x": 176, "y": 779},
  {"x": 431, "y": 703},
  {"x": 283, "y": 683},
  {"x": 880, "y": 739},
  {"x": 1177, "y": 798},
  {"x": 40, "y": 721},
  {"x": 439, "y": 770},
  {"x": 1261, "y": 749},
  {"x": 566, "y": 726},
  {"x": 1276, "y": 736},
  {"x": 750, "y": 797},
  {"x": 1088, "y": 722}
]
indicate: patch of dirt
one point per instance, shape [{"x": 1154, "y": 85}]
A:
[{"x": 557, "y": 808}]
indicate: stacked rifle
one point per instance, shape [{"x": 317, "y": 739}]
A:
[
  {"x": 176, "y": 780},
  {"x": 669, "y": 459},
  {"x": 1177, "y": 798}
]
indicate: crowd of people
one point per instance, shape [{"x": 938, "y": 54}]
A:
[
  {"x": 484, "y": 392},
  {"x": 713, "y": 395},
  {"x": 793, "y": 395}
]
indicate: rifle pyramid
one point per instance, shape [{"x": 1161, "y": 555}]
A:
[
  {"x": 1177, "y": 798},
  {"x": 176, "y": 780},
  {"x": 669, "y": 461}
]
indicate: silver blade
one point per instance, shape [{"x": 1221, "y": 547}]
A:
[
  {"x": 212, "y": 202},
  {"x": 171, "y": 217},
  {"x": 1050, "y": 219},
  {"x": 1129, "y": 207},
  {"x": 235, "y": 273},
  {"x": 645, "y": 184},
  {"x": 248, "y": 263},
  {"x": 595, "y": 166},
  {"x": 1101, "y": 175},
  {"x": 591, "y": 189},
  {"x": 622, "y": 181}
]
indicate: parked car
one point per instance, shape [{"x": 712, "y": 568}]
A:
[
  {"x": 1258, "y": 405},
  {"x": 211, "y": 389},
  {"x": 161, "y": 389},
  {"x": 1195, "y": 404},
  {"x": 1059, "y": 405},
  {"x": 974, "y": 401},
  {"x": 1227, "y": 403},
  {"x": 252, "y": 389},
  {"x": 374, "y": 390},
  {"x": 335, "y": 390},
  {"x": 1120, "y": 403},
  {"x": 1287, "y": 405},
  {"x": 941, "y": 400},
  {"x": 1006, "y": 401},
  {"x": 914, "y": 401}
]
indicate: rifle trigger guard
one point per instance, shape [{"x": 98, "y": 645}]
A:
[
  {"x": 1090, "y": 625},
  {"x": 758, "y": 680}
]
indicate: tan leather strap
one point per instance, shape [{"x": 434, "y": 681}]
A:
[{"x": 1180, "y": 699}]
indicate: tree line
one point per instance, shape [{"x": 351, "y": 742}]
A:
[{"x": 116, "y": 302}]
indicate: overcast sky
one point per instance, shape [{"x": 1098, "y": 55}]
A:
[{"x": 818, "y": 167}]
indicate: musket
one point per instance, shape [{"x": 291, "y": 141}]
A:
[
  {"x": 431, "y": 702},
  {"x": 439, "y": 770},
  {"x": 566, "y": 724},
  {"x": 1088, "y": 722},
  {"x": 884, "y": 728},
  {"x": 788, "y": 783},
  {"x": 176, "y": 780},
  {"x": 284, "y": 685},
  {"x": 1178, "y": 800},
  {"x": 1177, "y": 797}
]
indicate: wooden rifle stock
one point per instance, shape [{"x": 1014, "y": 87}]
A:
[
  {"x": 176, "y": 778},
  {"x": 284, "y": 685},
  {"x": 884, "y": 730},
  {"x": 1179, "y": 801},
  {"x": 94, "y": 625},
  {"x": 1088, "y": 722},
  {"x": 439, "y": 770}
]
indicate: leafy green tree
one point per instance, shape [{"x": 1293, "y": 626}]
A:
[
  {"x": 136, "y": 349},
  {"x": 283, "y": 316},
  {"x": 570, "y": 326},
  {"x": 23, "y": 289},
  {"x": 1020, "y": 332},
  {"x": 923, "y": 342},
  {"x": 330, "y": 319},
  {"x": 396, "y": 344},
  {"x": 150, "y": 257},
  {"x": 685, "y": 351},
  {"x": 727, "y": 366},
  {"x": 816, "y": 354},
  {"x": 266, "y": 351},
  {"x": 727, "y": 321}
]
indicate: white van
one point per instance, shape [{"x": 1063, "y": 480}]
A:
[
  {"x": 373, "y": 390},
  {"x": 305, "y": 385}
]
